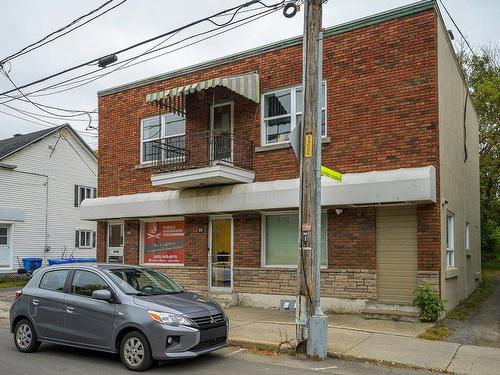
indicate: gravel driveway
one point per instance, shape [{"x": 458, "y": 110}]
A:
[{"x": 483, "y": 326}]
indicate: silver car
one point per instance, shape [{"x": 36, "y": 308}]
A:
[{"x": 139, "y": 313}]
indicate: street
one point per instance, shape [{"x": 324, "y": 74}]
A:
[{"x": 53, "y": 359}]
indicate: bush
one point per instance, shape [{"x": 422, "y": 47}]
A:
[{"x": 431, "y": 306}]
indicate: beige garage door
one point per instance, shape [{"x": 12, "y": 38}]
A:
[{"x": 396, "y": 254}]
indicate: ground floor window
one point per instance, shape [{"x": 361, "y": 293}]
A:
[
  {"x": 163, "y": 241},
  {"x": 280, "y": 237},
  {"x": 450, "y": 240}
]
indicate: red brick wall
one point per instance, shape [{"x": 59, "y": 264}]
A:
[
  {"x": 382, "y": 106},
  {"x": 131, "y": 242},
  {"x": 101, "y": 241},
  {"x": 351, "y": 239},
  {"x": 381, "y": 114},
  {"x": 247, "y": 239},
  {"x": 196, "y": 241}
]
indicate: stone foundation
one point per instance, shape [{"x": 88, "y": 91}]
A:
[
  {"x": 191, "y": 278},
  {"x": 429, "y": 277}
]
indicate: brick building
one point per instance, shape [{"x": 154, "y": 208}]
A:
[{"x": 197, "y": 177}]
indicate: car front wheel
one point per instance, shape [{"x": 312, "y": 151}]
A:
[
  {"x": 25, "y": 337},
  {"x": 135, "y": 351}
]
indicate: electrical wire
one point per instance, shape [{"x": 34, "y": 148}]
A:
[
  {"x": 126, "y": 65},
  {"x": 36, "y": 45},
  {"x": 247, "y": 4},
  {"x": 456, "y": 26}
]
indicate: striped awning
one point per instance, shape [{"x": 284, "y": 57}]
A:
[{"x": 246, "y": 85}]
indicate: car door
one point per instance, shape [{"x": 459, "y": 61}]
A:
[
  {"x": 88, "y": 321},
  {"x": 47, "y": 305}
]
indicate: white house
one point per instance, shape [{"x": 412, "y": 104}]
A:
[{"x": 44, "y": 176}]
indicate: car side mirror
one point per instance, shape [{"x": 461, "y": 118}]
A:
[{"x": 102, "y": 294}]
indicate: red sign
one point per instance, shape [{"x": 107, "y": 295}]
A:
[{"x": 164, "y": 242}]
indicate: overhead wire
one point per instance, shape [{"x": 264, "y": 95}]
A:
[
  {"x": 87, "y": 63},
  {"x": 36, "y": 45}
]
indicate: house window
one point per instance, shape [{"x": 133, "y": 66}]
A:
[
  {"x": 83, "y": 192},
  {"x": 467, "y": 235},
  {"x": 282, "y": 111},
  {"x": 170, "y": 129},
  {"x": 280, "y": 239},
  {"x": 450, "y": 240},
  {"x": 85, "y": 239},
  {"x": 3, "y": 236}
]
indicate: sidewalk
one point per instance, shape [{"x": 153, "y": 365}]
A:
[{"x": 353, "y": 337}]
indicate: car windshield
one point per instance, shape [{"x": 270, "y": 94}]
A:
[{"x": 137, "y": 281}]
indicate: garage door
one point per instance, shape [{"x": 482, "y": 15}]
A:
[{"x": 396, "y": 254}]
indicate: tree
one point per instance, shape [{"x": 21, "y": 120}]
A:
[{"x": 482, "y": 73}]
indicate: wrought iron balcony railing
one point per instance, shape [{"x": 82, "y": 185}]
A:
[{"x": 202, "y": 149}]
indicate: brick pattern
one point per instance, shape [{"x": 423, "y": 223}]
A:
[
  {"x": 431, "y": 278},
  {"x": 191, "y": 278},
  {"x": 247, "y": 239},
  {"x": 131, "y": 242},
  {"x": 340, "y": 283},
  {"x": 381, "y": 114},
  {"x": 101, "y": 241},
  {"x": 351, "y": 238}
]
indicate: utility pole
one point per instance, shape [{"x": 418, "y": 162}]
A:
[{"x": 312, "y": 324}]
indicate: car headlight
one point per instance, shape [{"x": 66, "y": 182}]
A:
[{"x": 170, "y": 319}]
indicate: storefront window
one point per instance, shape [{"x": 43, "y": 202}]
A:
[
  {"x": 281, "y": 237},
  {"x": 164, "y": 242}
]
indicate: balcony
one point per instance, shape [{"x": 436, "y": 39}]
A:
[{"x": 202, "y": 159}]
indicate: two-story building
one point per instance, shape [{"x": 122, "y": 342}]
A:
[
  {"x": 197, "y": 177},
  {"x": 44, "y": 177}
]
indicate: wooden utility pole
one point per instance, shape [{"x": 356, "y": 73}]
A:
[{"x": 312, "y": 324}]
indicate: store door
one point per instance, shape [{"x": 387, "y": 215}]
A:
[
  {"x": 221, "y": 253},
  {"x": 115, "y": 243}
]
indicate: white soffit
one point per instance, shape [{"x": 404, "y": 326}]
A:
[{"x": 408, "y": 185}]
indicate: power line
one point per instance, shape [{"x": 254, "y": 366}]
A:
[
  {"x": 456, "y": 26},
  {"x": 36, "y": 45},
  {"x": 125, "y": 63},
  {"x": 236, "y": 8}
]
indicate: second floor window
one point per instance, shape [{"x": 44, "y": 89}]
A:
[
  {"x": 282, "y": 111},
  {"x": 169, "y": 129},
  {"x": 83, "y": 192}
]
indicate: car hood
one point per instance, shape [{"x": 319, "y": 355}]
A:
[{"x": 186, "y": 303}]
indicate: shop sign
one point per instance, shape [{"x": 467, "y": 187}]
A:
[{"x": 164, "y": 242}]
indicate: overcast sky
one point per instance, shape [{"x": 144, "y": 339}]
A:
[{"x": 24, "y": 21}]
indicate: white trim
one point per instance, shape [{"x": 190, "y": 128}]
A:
[
  {"x": 141, "y": 240},
  {"x": 467, "y": 235},
  {"x": 209, "y": 263},
  {"x": 10, "y": 245},
  {"x": 263, "y": 249},
  {"x": 450, "y": 240},
  {"x": 293, "y": 113},
  {"x": 121, "y": 248}
]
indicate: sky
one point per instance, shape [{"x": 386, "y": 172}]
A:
[{"x": 25, "y": 21}]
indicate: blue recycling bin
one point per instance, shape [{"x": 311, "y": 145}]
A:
[
  {"x": 59, "y": 261},
  {"x": 31, "y": 264},
  {"x": 84, "y": 260}
]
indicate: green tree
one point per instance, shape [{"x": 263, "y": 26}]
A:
[{"x": 482, "y": 73}]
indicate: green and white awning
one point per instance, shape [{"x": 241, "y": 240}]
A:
[{"x": 246, "y": 85}]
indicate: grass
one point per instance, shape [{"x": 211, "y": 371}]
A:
[
  {"x": 474, "y": 300},
  {"x": 438, "y": 332},
  {"x": 12, "y": 284}
]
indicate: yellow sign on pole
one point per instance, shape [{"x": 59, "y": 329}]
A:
[
  {"x": 327, "y": 172},
  {"x": 308, "y": 146}
]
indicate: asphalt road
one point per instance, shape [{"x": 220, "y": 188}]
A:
[
  {"x": 53, "y": 359},
  {"x": 483, "y": 325}
]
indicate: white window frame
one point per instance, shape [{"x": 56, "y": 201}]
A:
[
  {"x": 467, "y": 235},
  {"x": 141, "y": 241},
  {"x": 450, "y": 240},
  {"x": 88, "y": 193},
  {"x": 163, "y": 116},
  {"x": 263, "y": 239},
  {"x": 293, "y": 113},
  {"x": 84, "y": 233}
]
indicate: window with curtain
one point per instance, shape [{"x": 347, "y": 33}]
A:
[
  {"x": 281, "y": 239},
  {"x": 170, "y": 129}
]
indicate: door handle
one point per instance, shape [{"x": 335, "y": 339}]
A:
[
  {"x": 36, "y": 302},
  {"x": 70, "y": 309}
]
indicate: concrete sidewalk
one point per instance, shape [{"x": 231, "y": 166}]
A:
[{"x": 272, "y": 328}]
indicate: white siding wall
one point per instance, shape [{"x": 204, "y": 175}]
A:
[{"x": 65, "y": 169}]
